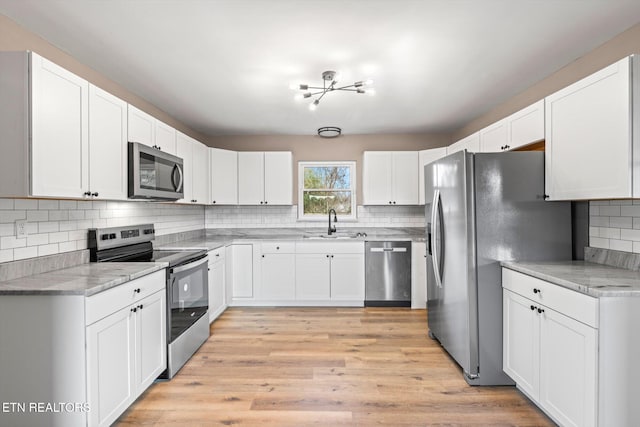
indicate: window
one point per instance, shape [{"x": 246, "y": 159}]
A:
[{"x": 326, "y": 185}]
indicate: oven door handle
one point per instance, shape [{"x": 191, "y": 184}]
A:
[{"x": 190, "y": 265}]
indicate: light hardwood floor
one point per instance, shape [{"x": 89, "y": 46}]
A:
[{"x": 325, "y": 367}]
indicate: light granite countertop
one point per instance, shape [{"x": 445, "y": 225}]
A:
[
  {"x": 86, "y": 279},
  {"x": 216, "y": 238},
  {"x": 596, "y": 280}
]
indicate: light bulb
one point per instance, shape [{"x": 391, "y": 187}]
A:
[
  {"x": 298, "y": 96},
  {"x": 370, "y": 92},
  {"x": 314, "y": 105},
  {"x": 294, "y": 86},
  {"x": 368, "y": 82}
]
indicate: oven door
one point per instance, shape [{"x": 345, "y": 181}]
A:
[
  {"x": 188, "y": 296},
  {"x": 154, "y": 174}
]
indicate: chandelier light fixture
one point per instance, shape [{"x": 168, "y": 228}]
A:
[{"x": 330, "y": 84}]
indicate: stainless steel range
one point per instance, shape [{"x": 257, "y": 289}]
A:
[{"x": 187, "y": 285}]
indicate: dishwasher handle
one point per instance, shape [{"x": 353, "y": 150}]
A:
[{"x": 388, "y": 250}]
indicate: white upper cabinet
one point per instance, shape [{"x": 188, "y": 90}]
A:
[
  {"x": 107, "y": 145},
  {"x": 519, "y": 129},
  {"x": 44, "y": 128},
  {"x": 424, "y": 158},
  {"x": 470, "y": 143},
  {"x": 148, "y": 130},
  {"x": 201, "y": 177},
  {"x": 224, "y": 176},
  {"x": 494, "y": 138},
  {"x": 390, "y": 178},
  {"x": 265, "y": 178},
  {"x": 591, "y": 145},
  {"x": 278, "y": 177},
  {"x": 59, "y": 131},
  {"x": 195, "y": 157}
]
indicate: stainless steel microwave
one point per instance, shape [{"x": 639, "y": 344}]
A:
[{"x": 154, "y": 174}]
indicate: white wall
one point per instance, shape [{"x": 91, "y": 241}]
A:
[
  {"x": 286, "y": 216},
  {"x": 56, "y": 226},
  {"x": 615, "y": 224}
]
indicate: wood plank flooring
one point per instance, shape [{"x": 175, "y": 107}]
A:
[{"x": 325, "y": 367}]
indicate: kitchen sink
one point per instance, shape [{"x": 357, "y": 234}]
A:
[{"x": 334, "y": 236}]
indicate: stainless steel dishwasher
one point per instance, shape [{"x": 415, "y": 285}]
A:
[{"x": 387, "y": 274}]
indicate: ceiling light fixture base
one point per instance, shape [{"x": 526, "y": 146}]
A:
[{"x": 329, "y": 132}]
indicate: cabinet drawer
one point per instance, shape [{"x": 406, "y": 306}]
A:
[
  {"x": 107, "y": 302},
  {"x": 333, "y": 247},
  {"x": 216, "y": 255},
  {"x": 278, "y": 247},
  {"x": 570, "y": 303}
]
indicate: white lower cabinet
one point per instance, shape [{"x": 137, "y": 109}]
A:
[
  {"x": 552, "y": 357},
  {"x": 126, "y": 350},
  {"x": 217, "y": 285},
  {"x": 419, "y": 275},
  {"x": 277, "y": 271},
  {"x": 239, "y": 272},
  {"x": 98, "y": 353},
  {"x": 313, "y": 281}
]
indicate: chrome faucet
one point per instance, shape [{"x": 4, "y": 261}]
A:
[{"x": 335, "y": 219}]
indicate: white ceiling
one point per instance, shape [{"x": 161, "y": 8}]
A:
[{"x": 225, "y": 66}]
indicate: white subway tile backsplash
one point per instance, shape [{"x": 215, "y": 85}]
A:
[
  {"x": 621, "y": 222},
  {"x": 55, "y": 226},
  {"x": 22, "y": 253},
  {"x": 610, "y": 233},
  {"x": 598, "y": 242},
  {"x": 594, "y": 231},
  {"x": 633, "y": 210},
  {"x": 621, "y": 245},
  {"x": 609, "y": 210}
]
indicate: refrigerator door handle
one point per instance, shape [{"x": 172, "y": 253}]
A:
[{"x": 437, "y": 230}]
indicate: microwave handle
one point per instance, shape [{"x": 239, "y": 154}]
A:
[{"x": 179, "y": 169}]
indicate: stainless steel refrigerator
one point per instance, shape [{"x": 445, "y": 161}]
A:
[{"x": 481, "y": 209}]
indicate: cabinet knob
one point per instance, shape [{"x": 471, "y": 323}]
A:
[
  {"x": 95, "y": 194},
  {"x": 277, "y": 248},
  {"x": 331, "y": 256},
  {"x": 214, "y": 201},
  {"x": 265, "y": 202},
  {"x": 394, "y": 202},
  {"x": 87, "y": 193},
  {"x": 261, "y": 202},
  {"x": 537, "y": 291},
  {"x": 134, "y": 309},
  {"x": 546, "y": 196},
  {"x": 389, "y": 202},
  {"x": 137, "y": 290},
  {"x": 540, "y": 310},
  {"x": 140, "y": 306},
  {"x": 327, "y": 256},
  {"x": 533, "y": 307},
  {"x": 262, "y": 256},
  {"x": 217, "y": 254},
  {"x": 507, "y": 147}
]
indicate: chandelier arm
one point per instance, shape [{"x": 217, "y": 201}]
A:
[{"x": 344, "y": 87}]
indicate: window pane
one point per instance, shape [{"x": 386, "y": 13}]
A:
[
  {"x": 327, "y": 177},
  {"x": 319, "y": 202}
]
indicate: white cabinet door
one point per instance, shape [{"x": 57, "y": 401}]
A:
[
  {"x": 313, "y": 277},
  {"x": 200, "y": 179},
  {"x": 376, "y": 178},
  {"x": 568, "y": 369},
  {"x": 521, "y": 337},
  {"x": 151, "y": 345},
  {"x": 278, "y": 280},
  {"x": 107, "y": 145},
  {"x": 141, "y": 127},
  {"x": 59, "y": 131},
  {"x": 471, "y": 143},
  {"x": 526, "y": 126},
  {"x": 493, "y": 138},
  {"x": 224, "y": 177},
  {"x": 165, "y": 137},
  {"x": 347, "y": 277},
  {"x": 588, "y": 137},
  {"x": 217, "y": 299},
  {"x": 418, "y": 275},
  {"x": 184, "y": 150},
  {"x": 405, "y": 177},
  {"x": 240, "y": 271},
  {"x": 278, "y": 178},
  {"x": 424, "y": 158},
  {"x": 250, "y": 178},
  {"x": 110, "y": 364}
]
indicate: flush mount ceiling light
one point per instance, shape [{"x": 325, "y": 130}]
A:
[
  {"x": 329, "y": 84},
  {"x": 329, "y": 131}
]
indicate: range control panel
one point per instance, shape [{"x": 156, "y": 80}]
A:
[{"x": 103, "y": 238}]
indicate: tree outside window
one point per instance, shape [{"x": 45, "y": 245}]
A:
[{"x": 325, "y": 186}]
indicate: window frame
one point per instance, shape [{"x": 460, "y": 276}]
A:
[{"x": 327, "y": 163}]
